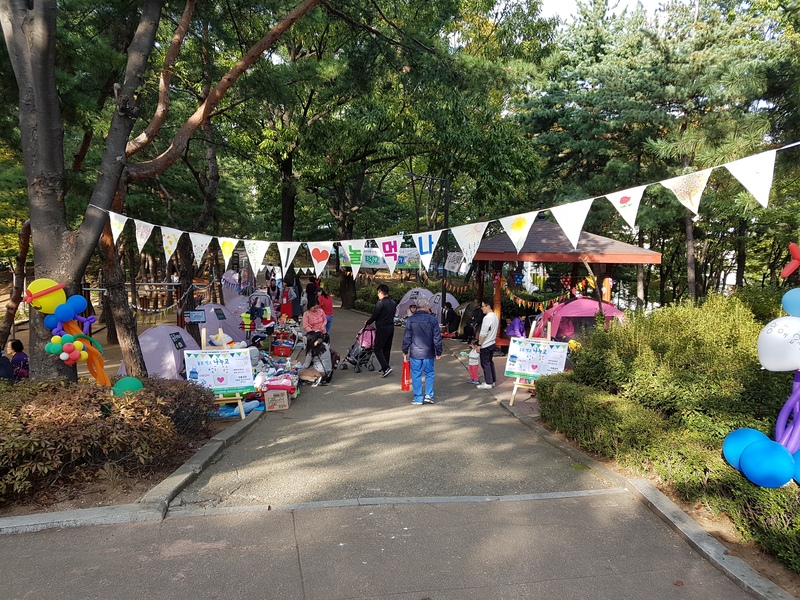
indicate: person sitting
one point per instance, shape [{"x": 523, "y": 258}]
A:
[
  {"x": 514, "y": 328},
  {"x": 314, "y": 319},
  {"x": 450, "y": 318},
  {"x": 318, "y": 366},
  {"x": 19, "y": 360}
]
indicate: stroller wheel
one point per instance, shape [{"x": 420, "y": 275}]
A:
[
  {"x": 357, "y": 369},
  {"x": 370, "y": 367},
  {"x": 343, "y": 367}
]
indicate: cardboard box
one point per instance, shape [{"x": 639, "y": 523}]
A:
[{"x": 276, "y": 400}]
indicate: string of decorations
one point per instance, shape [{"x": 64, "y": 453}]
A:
[{"x": 581, "y": 286}]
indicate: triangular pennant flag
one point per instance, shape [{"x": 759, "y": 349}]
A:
[
  {"x": 426, "y": 244},
  {"x": 169, "y": 238},
  {"x": 571, "y": 218},
  {"x": 320, "y": 254},
  {"x": 518, "y": 226},
  {"x": 689, "y": 188},
  {"x": 117, "y": 224},
  {"x": 627, "y": 203},
  {"x": 755, "y": 173},
  {"x": 227, "y": 246},
  {"x": 469, "y": 237},
  {"x": 354, "y": 250},
  {"x": 256, "y": 249},
  {"x": 143, "y": 231},
  {"x": 390, "y": 248},
  {"x": 287, "y": 250},
  {"x": 200, "y": 244}
]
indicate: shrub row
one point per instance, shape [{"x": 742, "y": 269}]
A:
[
  {"x": 58, "y": 430},
  {"x": 661, "y": 393}
]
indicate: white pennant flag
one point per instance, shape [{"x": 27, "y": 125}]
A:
[
  {"x": 143, "y": 231},
  {"x": 518, "y": 226},
  {"x": 117, "y": 224},
  {"x": 390, "y": 249},
  {"x": 256, "y": 249},
  {"x": 287, "y": 250},
  {"x": 169, "y": 238},
  {"x": 354, "y": 250},
  {"x": 689, "y": 188},
  {"x": 426, "y": 244},
  {"x": 755, "y": 173},
  {"x": 320, "y": 255},
  {"x": 627, "y": 203},
  {"x": 200, "y": 244},
  {"x": 571, "y": 218},
  {"x": 227, "y": 246},
  {"x": 469, "y": 237}
]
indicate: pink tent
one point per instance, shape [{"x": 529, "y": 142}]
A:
[{"x": 567, "y": 318}]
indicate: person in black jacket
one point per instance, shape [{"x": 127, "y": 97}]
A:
[
  {"x": 450, "y": 318},
  {"x": 383, "y": 317}
]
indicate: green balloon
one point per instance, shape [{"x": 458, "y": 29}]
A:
[{"x": 127, "y": 385}]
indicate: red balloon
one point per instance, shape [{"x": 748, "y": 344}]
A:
[
  {"x": 68, "y": 348},
  {"x": 75, "y": 355}
]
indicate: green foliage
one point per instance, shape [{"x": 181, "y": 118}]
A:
[
  {"x": 57, "y": 430},
  {"x": 663, "y": 391},
  {"x": 764, "y": 302}
]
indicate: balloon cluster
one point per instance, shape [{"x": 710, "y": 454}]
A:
[
  {"x": 62, "y": 318},
  {"x": 765, "y": 462}
]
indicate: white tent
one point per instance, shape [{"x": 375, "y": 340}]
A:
[
  {"x": 238, "y": 306},
  {"x": 410, "y": 298},
  {"x": 219, "y": 317},
  {"x": 436, "y": 303},
  {"x": 162, "y": 348}
]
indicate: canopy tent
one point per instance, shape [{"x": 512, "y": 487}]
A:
[
  {"x": 162, "y": 349},
  {"x": 219, "y": 317},
  {"x": 566, "y": 319},
  {"x": 547, "y": 243},
  {"x": 410, "y": 298}
]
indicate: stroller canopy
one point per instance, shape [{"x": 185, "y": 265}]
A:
[{"x": 567, "y": 318}]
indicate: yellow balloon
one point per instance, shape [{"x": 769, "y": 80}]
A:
[
  {"x": 78, "y": 345},
  {"x": 45, "y": 295},
  {"x": 84, "y": 355},
  {"x": 56, "y": 339}
]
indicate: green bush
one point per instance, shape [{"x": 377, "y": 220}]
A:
[
  {"x": 763, "y": 302},
  {"x": 661, "y": 393},
  {"x": 56, "y": 430}
]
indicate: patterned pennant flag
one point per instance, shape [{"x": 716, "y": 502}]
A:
[
  {"x": 117, "y": 224},
  {"x": 627, "y": 203},
  {"x": 689, "y": 188},
  {"x": 354, "y": 249},
  {"x": 426, "y": 244},
  {"x": 169, "y": 238},
  {"x": 256, "y": 249},
  {"x": 287, "y": 250},
  {"x": 320, "y": 254},
  {"x": 200, "y": 244},
  {"x": 390, "y": 248},
  {"x": 469, "y": 237},
  {"x": 755, "y": 173},
  {"x": 571, "y": 218},
  {"x": 227, "y": 246},
  {"x": 143, "y": 231},
  {"x": 518, "y": 226}
]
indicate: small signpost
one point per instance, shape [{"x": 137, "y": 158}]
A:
[{"x": 530, "y": 358}]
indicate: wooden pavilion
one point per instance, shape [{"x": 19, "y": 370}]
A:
[{"x": 547, "y": 243}]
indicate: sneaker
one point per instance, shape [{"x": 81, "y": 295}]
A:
[
  {"x": 317, "y": 381},
  {"x": 475, "y": 381},
  {"x": 485, "y": 386},
  {"x": 417, "y": 403},
  {"x": 428, "y": 400},
  {"x": 388, "y": 371}
]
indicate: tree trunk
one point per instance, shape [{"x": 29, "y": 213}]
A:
[
  {"x": 19, "y": 282},
  {"x": 186, "y": 271},
  {"x": 288, "y": 197},
  {"x": 741, "y": 252},
  {"x": 347, "y": 289},
  {"x": 691, "y": 266}
]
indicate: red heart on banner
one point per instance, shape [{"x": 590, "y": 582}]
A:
[{"x": 319, "y": 255}]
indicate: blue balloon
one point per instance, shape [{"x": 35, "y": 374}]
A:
[
  {"x": 736, "y": 441},
  {"x": 64, "y": 313},
  {"x": 767, "y": 464},
  {"x": 791, "y": 302},
  {"x": 797, "y": 466},
  {"x": 51, "y": 322},
  {"x": 77, "y": 303}
]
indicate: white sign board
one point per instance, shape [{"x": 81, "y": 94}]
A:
[
  {"x": 530, "y": 358},
  {"x": 224, "y": 371}
]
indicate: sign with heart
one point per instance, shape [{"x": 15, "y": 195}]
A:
[
  {"x": 531, "y": 358},
  {"x": 224, "y": 371},
  {"x": 320, "y": 254}
]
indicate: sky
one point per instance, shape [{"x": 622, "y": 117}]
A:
[{"x": 566, "y": 8}]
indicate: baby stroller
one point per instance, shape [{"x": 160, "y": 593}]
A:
[{"x": 360, "y": 353}]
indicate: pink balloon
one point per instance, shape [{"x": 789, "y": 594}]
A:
[
  {"x": 75, "y": 355},
  {"x": 68, "y": 348}
]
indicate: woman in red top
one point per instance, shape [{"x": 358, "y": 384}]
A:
[
  {"x": 286, "y": 302},
  {"x": 326, "y": 302}
]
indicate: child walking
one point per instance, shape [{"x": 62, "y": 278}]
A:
[{"x": 474, "y": 361}]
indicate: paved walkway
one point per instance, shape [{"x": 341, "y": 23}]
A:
[{"x": 355, "y": 493}]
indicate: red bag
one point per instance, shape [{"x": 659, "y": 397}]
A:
[{"x": 405, "y": 379}]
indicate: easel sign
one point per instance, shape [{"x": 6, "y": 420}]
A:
[
  {"x": 530, "y": 358},
  {"x": 224, "y": 371}
]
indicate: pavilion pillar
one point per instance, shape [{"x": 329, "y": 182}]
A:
[{"x": 498, "y": 288}]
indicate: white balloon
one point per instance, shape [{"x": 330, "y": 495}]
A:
[{"x": 779, "y": 345}]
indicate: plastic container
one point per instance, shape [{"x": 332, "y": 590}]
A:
[{"x": 281, "y": 350}]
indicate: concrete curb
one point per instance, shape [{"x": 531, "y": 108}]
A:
[
  {"x": 698, "y": 538},
  {"x": 152, "y": 506}
]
